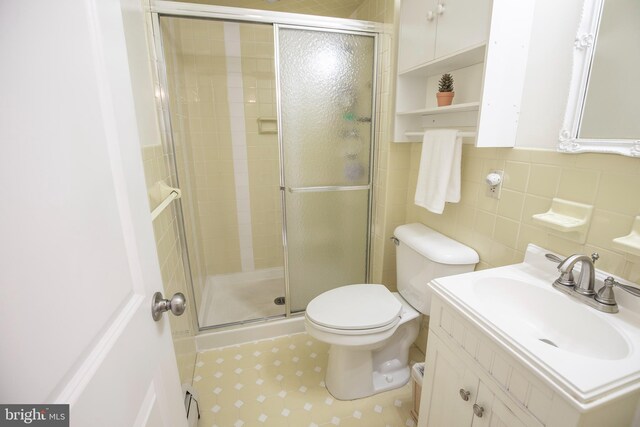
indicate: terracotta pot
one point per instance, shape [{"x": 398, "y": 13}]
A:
[{"x": 445, "y": 98}]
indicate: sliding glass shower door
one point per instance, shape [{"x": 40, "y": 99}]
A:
[
  {"x": 326, "y": 86},
  {"x": 271, "y": 143}
]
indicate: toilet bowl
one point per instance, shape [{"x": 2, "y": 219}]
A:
[{"x": 370, "y": 329}]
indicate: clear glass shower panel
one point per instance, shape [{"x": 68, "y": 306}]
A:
[
  {"x": 220, "y": 85},
  {"x": 326, "y": 81},
  {"x": 327, "y": 240}
]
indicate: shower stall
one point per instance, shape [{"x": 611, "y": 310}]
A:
[{"x": 270, "y": 132}]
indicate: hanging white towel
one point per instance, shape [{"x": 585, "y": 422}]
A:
[{"x": 439, "y": 173}]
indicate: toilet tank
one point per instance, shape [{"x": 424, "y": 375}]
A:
[{"x": 424, "y": 254}]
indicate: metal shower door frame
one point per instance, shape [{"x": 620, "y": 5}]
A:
[
  {"x": 373, "y": 145},
  {"x": 278, "y": 20}
]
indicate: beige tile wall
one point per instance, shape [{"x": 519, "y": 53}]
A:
[
  {"x": 501, "y": 229},
  {"x": 165, "y": 229},
  {"x": 375, "y": 10},
  {"x": 181, "y": 136},
  {"x": 197, "y": 72},
  {"x": 203, "y": 98},
  {"x": 384, "y": 11},
  {"x": 262, "y": 148}
]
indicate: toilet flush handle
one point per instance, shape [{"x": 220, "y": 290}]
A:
[{"x": 395, "y": 240}]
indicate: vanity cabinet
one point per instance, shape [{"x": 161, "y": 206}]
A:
[
  {"x": 484, "y": 45},
  {"x": 457, "y": 397},
  {"x": 462, "y": 358}
]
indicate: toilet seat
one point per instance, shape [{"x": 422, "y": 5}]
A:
[{"x": 355, "y": 310}]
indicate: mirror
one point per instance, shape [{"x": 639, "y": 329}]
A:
[{"x": 604, "y": 97}]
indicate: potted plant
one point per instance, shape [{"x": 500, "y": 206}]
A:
[{"x": 445, "y": 93}]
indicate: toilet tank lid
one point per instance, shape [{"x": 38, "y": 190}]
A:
[{"x": 435, "y": 246}]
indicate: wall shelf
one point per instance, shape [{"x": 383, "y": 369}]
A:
[
  {"x": 631, "y": 242},
  {"x": 456, "y": 108},
  {"x": 567, "y": 217},
  {"x": 461, "y": 59},
  {"x": 420, "y": 134}
]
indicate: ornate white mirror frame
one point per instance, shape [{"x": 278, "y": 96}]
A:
[{"x": 584, "y": 49}]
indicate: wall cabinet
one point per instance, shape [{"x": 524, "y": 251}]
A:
[
  {"x": 484, "y": 45},
  {"x": 439, "y": 28}
]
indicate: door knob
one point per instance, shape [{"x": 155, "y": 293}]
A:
[
  {"x": 177, "y": 304},
  {"x": 478, "y": 410},
  {"x": 464, "y": 394}
]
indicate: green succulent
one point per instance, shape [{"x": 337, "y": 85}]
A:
[{"x": 446, "y": 83}]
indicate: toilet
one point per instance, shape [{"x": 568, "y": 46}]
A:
[{"x": 370, "y": 329}]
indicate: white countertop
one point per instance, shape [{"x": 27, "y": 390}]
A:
[{"x": 597, "y": 355}]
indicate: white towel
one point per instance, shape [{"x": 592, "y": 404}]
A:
[{"x": 439, "y": 174}]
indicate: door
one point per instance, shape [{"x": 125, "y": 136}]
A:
[
  {"x": 461, "y": 24},
  {"x": 490, "y": 411},
  {"x": 449, "y": 388},
  {"x": 78, "y": 263},
  {"x": 418, "y": 22},
  {"x": 326, "y": 85}
]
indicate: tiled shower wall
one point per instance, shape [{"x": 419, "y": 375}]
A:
[
  {"x": 218, "y": 91},
  {"x": 384, "y": 12},
  {"x": 262, "y": 147},
  {"x": 165, "y": 229}
]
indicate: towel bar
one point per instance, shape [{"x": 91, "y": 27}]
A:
[
  {"x": 460, "y": 133},
  {"x": 173, "y": 193}
]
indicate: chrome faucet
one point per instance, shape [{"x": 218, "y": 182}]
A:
[
  {"x": 583, "y": 290},
  {"x": 586, "y": 281}
]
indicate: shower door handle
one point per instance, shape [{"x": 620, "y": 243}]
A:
[
  {"x": 325, "y": 188},
  {"x": 177, "y": 304}
]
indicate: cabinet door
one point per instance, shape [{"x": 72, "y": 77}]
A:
[
  {"x": 417, "y": 33},
  {"x": 445, "y": 375},
  {"x": 494, "y": 412},
  {"x": 461, "y": 23}
]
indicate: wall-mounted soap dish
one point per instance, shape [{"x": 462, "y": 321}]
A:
[
  {"x": 570, "y": 218},
  {"x": 631, "y": 242}
]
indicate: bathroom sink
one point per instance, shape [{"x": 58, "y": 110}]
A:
[
  {"x": 546, "y": 315},
  {"x": 585, "y": 353}
]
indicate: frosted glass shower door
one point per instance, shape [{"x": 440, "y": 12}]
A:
[{"x": 326, "y": 82}]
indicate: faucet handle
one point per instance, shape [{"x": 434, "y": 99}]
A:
[
  {"x": 631, "y": 289},
  {"x": 594, "y": 257},
  {"x": 553, "y": 258},
  {"x": 605, "y": 294}
]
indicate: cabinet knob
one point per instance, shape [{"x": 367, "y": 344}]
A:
[
  {"x": 440, "y": 8},
  {"x": 464, "y": 394},
  {"x": 430, "y": 15},
  {"x": 478, "y": 410}
]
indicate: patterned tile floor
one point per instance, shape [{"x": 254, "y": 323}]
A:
[{"x": 280, "y": 382}]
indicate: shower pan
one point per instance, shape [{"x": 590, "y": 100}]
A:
[{"x": 270, "y": 134}]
